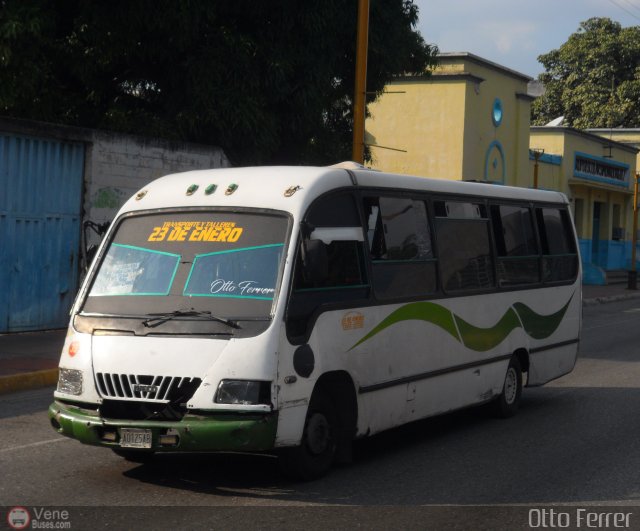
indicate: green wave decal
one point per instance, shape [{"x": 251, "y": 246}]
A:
[
  {"x": 483, "y": 339},
  {"x": 417, "y": 311},
  {"x": 537, "y": 326},
  {"x": 540, "y": 326}
]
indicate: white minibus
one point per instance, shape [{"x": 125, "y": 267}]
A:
[{"x": 290, "y": 310}]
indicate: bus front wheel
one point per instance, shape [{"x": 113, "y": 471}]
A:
[
  {"x": 508, "y": 402},
  {"x": 317, "y": 450}
]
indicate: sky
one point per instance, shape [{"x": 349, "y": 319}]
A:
[{"x": 513, "y": 33}]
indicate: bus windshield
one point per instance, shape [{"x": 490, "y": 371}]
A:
[{"x": 220, "y": 262}]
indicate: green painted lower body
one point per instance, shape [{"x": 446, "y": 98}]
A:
[{"x": 196, "y": 433}]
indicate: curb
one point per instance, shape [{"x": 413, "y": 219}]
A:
[
  {"x": 28, "y": 380},
  {"x": 612, "y": 298}
]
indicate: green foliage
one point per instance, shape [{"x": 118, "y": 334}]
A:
[
  {"x": 593, "y": 79},
  {"x": 270, "y": 81}
]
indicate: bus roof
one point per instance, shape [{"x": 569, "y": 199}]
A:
[{"x": 293, "y": 188}]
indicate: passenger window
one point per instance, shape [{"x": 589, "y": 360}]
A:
[
  {"x": 397, "y": 229},
  {"x": 560, "y": 258},
  {"x": 464, "y": 250},
  {"x": 518, "y": 257},
  {"x": 399, "y": 240}
]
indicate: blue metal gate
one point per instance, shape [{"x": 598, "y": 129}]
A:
[{"x": 40, "y": 205}]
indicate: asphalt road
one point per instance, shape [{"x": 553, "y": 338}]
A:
[{"x": 575, "y": 441}]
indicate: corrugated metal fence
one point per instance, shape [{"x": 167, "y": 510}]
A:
[{"x": 40, "y": 205}]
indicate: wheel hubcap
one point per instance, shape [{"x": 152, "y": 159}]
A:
[{"x": 510, "y": 386}]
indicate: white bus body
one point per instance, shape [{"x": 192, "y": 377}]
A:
[{"x": 292, "y": 309}]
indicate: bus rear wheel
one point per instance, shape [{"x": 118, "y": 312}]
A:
[
  {"x": 317, "y": 451},
  {"x": 508, "y": 402}
]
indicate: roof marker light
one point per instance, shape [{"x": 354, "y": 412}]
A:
[
  {"x": 210, "y": 189},
  {"x": 231, "y": 188},
  {"x": 140, "y": 194},
  {"x": 191, "y": 190}
]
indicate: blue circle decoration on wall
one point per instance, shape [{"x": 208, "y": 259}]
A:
[
  {"x": 495, "y": 164},
  {"x": 496, "y": 113}
]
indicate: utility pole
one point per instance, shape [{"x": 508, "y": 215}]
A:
[
  {"x": 633, "y": 274},
  {"x": 537, "y": 153},
  {"x": 359, "y": 103}
]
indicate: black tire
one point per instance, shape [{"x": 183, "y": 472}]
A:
[
  {"x": 317, "y": 451},
  {"x": 135, "y": 456},
  {"x": 508, "y": 403}
]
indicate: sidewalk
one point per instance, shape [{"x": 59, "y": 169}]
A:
[{"x": 29, "y": 360}]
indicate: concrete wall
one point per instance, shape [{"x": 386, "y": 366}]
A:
[{"x": 119, "y": 165}]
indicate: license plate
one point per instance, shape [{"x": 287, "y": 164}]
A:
[{"x": 133, "y": 438}]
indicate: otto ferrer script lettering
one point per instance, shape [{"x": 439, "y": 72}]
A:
[{"x": 244, "y": 288}]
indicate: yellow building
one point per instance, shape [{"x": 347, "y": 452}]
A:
[
  {"x": 469, "y": 120},
  {"x": 597, "y": 175},
  {"x": 630, "y": 137}
]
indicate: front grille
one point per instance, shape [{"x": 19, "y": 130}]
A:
[
  {"x": 157, "y": 389},
  {"x": 128, "y": 410}
]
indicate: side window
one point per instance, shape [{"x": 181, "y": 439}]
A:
[
  {"x": 464, "y": 250},
  {"x": 333, "y": 222},
  {"x": 399, "y": 241},
  {"x": 330, "y": 266},
  {"x": 345, "y": 267},
  {"x": 518, "y": 257},
  {"x": 560, "y": 258},
  {"x": 397, "y": 229}
]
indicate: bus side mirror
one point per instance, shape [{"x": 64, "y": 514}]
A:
[{"x": 315, "y": 261}]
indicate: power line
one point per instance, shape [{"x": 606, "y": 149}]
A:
[
  {"x": 632, "y": 5},
  {"x": 624, "y": 9}
]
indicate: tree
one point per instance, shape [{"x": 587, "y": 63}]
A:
[
  {"x": 593, "y": 79},
  {"x": 268, "y": 81}
]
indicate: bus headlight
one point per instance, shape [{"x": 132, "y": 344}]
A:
[
  {"x": 70, "y": 382},
  {"x": 247, "y": 392}
]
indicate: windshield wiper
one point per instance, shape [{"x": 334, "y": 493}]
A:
[{"x": 156, "y": 319}]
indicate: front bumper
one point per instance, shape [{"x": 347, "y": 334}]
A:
[{"x": 196, "y": 433}]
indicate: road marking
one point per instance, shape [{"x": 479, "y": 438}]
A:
[
  {"x": 632, "y": 310},
  {"x": 30, "y": 445}
]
